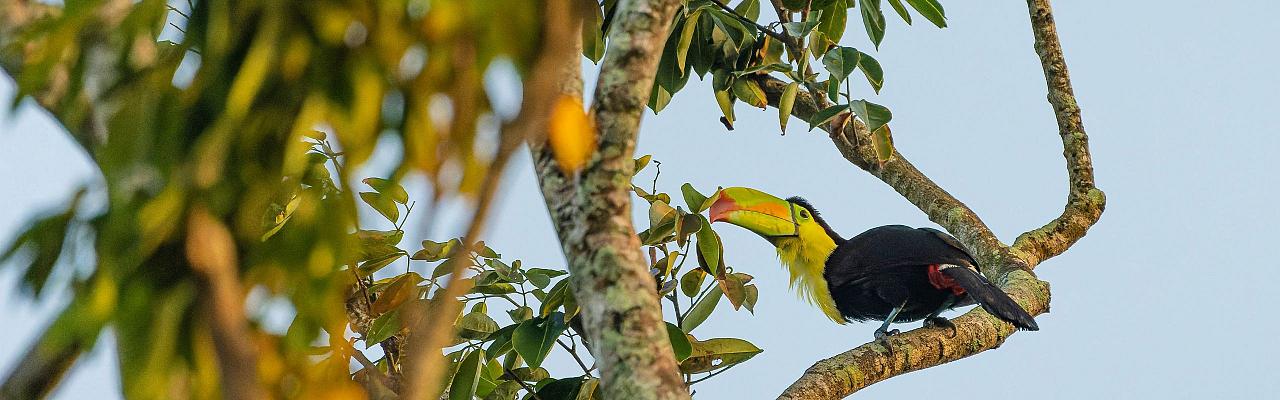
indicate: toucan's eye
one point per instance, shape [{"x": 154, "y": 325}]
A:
[{"x": 804, "y": 214}]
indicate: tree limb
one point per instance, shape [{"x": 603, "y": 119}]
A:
[
  {"x": 559, "y": 28},
  {"x": 1085, "y": 202},
  {"x": 592, "y": 215}
]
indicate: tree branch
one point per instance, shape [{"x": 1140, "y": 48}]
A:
[
  {"x": 591, "y": 211},
  {"x": 1085, "y": 202},
  {"x": 560, "y": 27}
]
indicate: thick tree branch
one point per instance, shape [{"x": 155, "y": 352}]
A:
[
  {"x": 593, "y": 219},
  {"x": 45, "y": 363},
  {"x": 1085, "y": 202}
]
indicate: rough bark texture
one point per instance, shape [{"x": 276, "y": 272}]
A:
[
  {"x": 1084, "y": 201},
  {"x": 592, "y": 212},
  {"x": 1009, "y": 267}
]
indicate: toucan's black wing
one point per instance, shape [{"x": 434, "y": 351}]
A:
[
  {"x": 990, "y": 297},
  {"x": 889, "y": 247}
]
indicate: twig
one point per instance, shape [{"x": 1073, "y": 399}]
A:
[
  {"x": 786, "y": 39},
  {"x": 711, "y": 375},
  {"x": 522, "y": 383},
  {"x": 574, "y": 352}
]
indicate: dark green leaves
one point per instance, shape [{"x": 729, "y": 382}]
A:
[
  {"x": 467, "y": 378},
  {"x": 534, "y": 338},
  {"x": 873, "y": 20},
  {"x": 874, "y": 115},
  {"x": 901, "y": 10},
  {"x": 931, "y": 10},
  {"x": 693, "y": 198},
  {"x": 799, "y": 29},
  {"x": 840, "y": 62},
  {"x": 679, "y": 342},
  {"x": 709, "y": 248},
  {"x": 824, "y": 116},
  {"x": 871, "y": 68},
  {"x": 701, "y": 310}
]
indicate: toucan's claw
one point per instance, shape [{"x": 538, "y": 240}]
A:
[
  {"x": 882, "y": 337},
  {"x": 940, "y": 322}
]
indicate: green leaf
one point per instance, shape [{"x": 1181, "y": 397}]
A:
[
  {"x": 534, "y": 338},
  {"x": 679, "y": 342},
  {"x": 380, "y": 237},
  {"x": 383, "y": 204},
  {"x": 799, "y": 29},
  {"x": 824, "y": 116},
  {"x": 871, "y": 68},
  {"x": 661, "y": 213},
  {"x": 785, "y": 103},
  {"x": 561, "y": 389},
  {"x": 530, "y": 374},
  {"x": 490, "y": 378},
  {"x": 901, "y": 10},
  {"x": 840, "y": 62},
  {"x": 874, "y": 115},
  {"x": 931, "y": 10},
  {"x": 388, "y": 188},
  {"x": 750, "y": 92},
  {"x": 712, "y": 354},
  {"x": 709, "y": 248},
  {"x": 501, "y": 341},
  {"x": 466, "y": 380},
  {"x": 555, "y": 297},
  {"x": 496, "y": 288},
  {"x": 688, "y": 225},
  {"x": 832, "y": 20},
  {"x": 748, "y": 8},
  {"x": 484, "y": 251},
  {"x": 401, "y": 289},
  {"x": 520, "y": 314},
  {"x": 376, "y": 264},
  {"x": 725, "y": 100},
  {"x": 382, "y": 328},
  {"x": 592, "y": 35},
  {"x": 686, "y": 39},
  {"x": 436, "y": 251},
  {"x": 476, "y": 325},
  {"x": 642, "y": 162},
  {"x": 691, "y": 282},
  {"x": 693, "y": 198},
  {"x": 701, "y": 310},
  {"x": 882, "y": 140},
  {"x": 752, "y": 293},
  {"x": 873, "y": 20}
]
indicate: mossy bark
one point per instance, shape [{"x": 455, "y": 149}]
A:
[{"x": 592, "y": 214}]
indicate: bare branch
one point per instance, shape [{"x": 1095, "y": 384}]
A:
[
  {"x": 561, "y": 26},
  {"x": 211, "y": 250},
  {"x": 45, "y": 363},
  {"x": 1084, "y": 201}
]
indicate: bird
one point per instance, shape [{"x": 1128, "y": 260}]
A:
[{"x": 891, "y": 273}]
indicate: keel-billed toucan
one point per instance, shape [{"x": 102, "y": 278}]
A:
[{"x": 892, "y": 273}]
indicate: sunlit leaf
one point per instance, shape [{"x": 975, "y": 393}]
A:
[
  {"x": 785, "y": 103},
  {"x": 752, "y": 294},
  {"x": 750, "y": 92},
  {"x": 712, "y": 354},
  {"x": 733, "y": 289},
  {"x": 691, "y": 282},
  {"x": 871, "y": 68},
  {"x": 402, "y": 289},
  {"x": 476, "y": 325},
  {"x": 882, "y": 139},
  {"x": 383, "y": 204},
  {"x": 388, "y": 188}
]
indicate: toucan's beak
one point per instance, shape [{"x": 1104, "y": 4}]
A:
[{"x": 757, "y": 211}]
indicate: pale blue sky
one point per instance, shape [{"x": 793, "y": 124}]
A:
[{"x": 1170, "y": 295}]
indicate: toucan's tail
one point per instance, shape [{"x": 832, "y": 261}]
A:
[{"x": 990, "y": 297}]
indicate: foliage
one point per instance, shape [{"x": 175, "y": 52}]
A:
[{"x": 257, "y": 113}]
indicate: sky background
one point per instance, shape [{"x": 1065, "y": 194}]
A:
[{"x": 1169, "y": 296}]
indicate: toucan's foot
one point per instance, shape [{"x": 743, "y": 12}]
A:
[
  {"x": 882, "y": 337},
  {"x": 940, "y": 322}
]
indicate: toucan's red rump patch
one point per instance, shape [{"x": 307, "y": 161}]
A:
[{"x": 942, "y": 281}]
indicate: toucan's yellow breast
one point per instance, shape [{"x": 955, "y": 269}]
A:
[{"x": 805, "y": 257}]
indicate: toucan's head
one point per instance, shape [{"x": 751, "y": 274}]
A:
[
  {"x": 776, "y": 220},
  {"x": 803, "y": 239}
]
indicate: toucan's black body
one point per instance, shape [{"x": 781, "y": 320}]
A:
[{"x": 889, "y": 266}]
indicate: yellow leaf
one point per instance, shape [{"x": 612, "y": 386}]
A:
[{"x": 571, "y": 134}]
